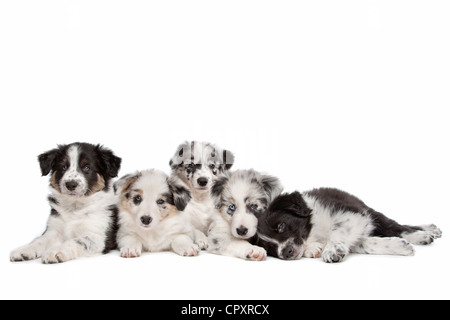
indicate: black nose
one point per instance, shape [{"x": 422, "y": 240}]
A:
[
  {"x": 242, "y": 231},
  {"x": 202, "y": 181},
  {"x": 288, "y": 252},
  {"x": 146, "y": 220},
  {"x": 71, "y": 185}
]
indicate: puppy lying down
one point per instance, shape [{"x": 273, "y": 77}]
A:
[
  {"x": 151, "y": 217},
  {"x": 331, "y": 223}
]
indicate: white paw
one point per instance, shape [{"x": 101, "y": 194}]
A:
[
  {"x": 402, "y": 247},
  {"x": 130, "y": 253},
  {"x": 420, "y": 237},
  {"x": 256, "y": 254},
  {"x": 54, "y": 256},
  {"x": 24, "y": 253},
  {"x": 334, "y": 253},
  {"x": 313, "y": 250},
  {"x": 201, "y": 240},
  {"x": 433, "y": 230},
  {"x": 191, "y": 250}
]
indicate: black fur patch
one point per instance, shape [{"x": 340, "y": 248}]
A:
[
  {"x": 180, "y": 196},
  {"x": 111, "y": 233},
  {"x": 217, "y": 190}
]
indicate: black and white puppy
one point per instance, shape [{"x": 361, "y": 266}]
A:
[
  {"x": 240, "y": 198},
  {"x": 331, "y": 223},
  {"x": 151, "y": 217},
  {"x": 83, "y": 213},
  {"x": 199, "y": 165}
]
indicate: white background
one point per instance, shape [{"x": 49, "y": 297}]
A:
[{"x": 349, "y": 94}]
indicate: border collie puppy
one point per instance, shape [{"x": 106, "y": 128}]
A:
[
  {"x": 151, "y": 217},
  {"x": 240, "y": 198},
  {"x": 83, "y": 214},
  {"x": 199, "y": 165},
  {"x": 332, "y": 223}
]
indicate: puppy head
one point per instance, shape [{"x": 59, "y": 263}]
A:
[
  {"x": 150, "y": 197},
  {"x": 242, "y": 197},
  {"x": 284, "y": 227},
  {"x": 79, "y": 169},
  {"x": 200, "y": 164}
]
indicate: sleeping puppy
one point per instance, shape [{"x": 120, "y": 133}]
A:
[
  {"x": 151, "y": 217},
  {"x": 331, "y": 223},
  {"x": 240, "y": 197},
  {"x": 83, "y": 214}
]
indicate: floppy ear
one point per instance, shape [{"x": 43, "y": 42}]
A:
[
  {"x": 123, "y": 184},
  {"x": 228, "y": 159},
  {"x": 178, "y": 157},
  {"x": 217, "y": 190},
  {"x": 272, "y": 186},
  {"x": 109, "y": 162},
  {"x": 180, "y": 193},
  {"x": 47, "y": 161},
  {"x": 297, "y": 205}
]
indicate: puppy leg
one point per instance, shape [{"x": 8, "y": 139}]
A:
[
  {"x": 385, "y": 246},
  {"x": 200, "y": 239},
  {"x": 244, "y": 250},
  {"x": 129, "y": 247},
  {"x": 348, "y": 231},
  {"x": 73, "y": 249},
  {"x": 35, "y": 249},
  {"x": 185, "y": 246}
]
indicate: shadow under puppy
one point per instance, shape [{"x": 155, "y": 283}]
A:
[
  {"x": 240, "y": 197},
  {"x": 83, "y": 212},
  {"x": 151, "y": 217},
  {"x": 331, "y": 223}
]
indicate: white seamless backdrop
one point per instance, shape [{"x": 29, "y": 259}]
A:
[{"x": 348, "y": 94}]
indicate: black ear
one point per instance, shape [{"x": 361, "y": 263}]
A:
[
  {"x": 272, "y": 186},
  {"x": 297, "y": 205},
  {"x": 228, "y": 159},
  {"x": 109, "y": 162},
  {"x": 180, "y": 193},
  {"x": 47, "y": 161},
  {"x": 177, "y": 158},
  {"x": 217, "y": 190}
]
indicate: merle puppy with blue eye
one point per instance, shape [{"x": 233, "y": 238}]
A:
[
  {"x": 331, "y": 223},
  {"x": 83, "y": 212},
  {"x": 240, "y": 198}
]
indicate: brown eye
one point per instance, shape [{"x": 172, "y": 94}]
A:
[{"x": 160, "y": 201}]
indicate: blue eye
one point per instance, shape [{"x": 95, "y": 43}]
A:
[{"x": 232, "y": 207}]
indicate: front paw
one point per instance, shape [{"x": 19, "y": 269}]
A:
[
  {"x": 130, "y": 253},
  {"x": 334, "y": 253},
  {"x": 24, "y": 253},
  {"x": 313, "y": 250},
  {"x": 256, "y": 254},
  {"x": 202, "y": 241},
  {"x": 54, "y": 256},
  {"x": 187, "y": 250}
]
